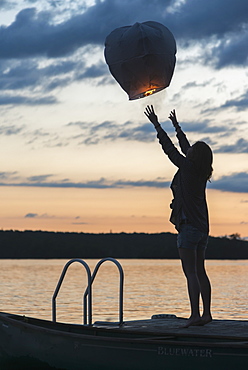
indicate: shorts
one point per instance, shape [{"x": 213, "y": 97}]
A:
[{"x": 190, "y": 237}]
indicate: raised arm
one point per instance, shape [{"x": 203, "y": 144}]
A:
[
  {"x": 150, "y": 114},
  {"x": 165, "y": 141},
  {"x": 182, "y": 139},
  {"x": 173, "y": 119}
]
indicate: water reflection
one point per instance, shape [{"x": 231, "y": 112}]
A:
[{"x": 150, "y": 287}]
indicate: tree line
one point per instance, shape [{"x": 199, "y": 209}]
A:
[{"x": 44, "y": 245}]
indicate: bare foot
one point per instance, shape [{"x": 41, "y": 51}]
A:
[
  {"x": 206, "y": 319},
  {"x": 193, "y": 321},
  {"x": 198, "y": 321}
]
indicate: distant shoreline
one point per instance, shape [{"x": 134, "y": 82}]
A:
[{"x": 65, "y": 245}]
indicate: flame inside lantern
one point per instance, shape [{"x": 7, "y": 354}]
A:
[{"x": 147, "y": 93}]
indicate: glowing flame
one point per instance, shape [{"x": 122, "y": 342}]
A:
[{"x": 150, "y": 92}]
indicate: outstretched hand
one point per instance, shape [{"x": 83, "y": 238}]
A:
[
  {"x": 173, "y": 118},
  {"x": 150, "y": 114}
]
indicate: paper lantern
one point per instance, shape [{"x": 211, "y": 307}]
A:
[{"x": 141, "y": 58}]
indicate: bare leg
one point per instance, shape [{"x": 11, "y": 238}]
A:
[
  {"x": 205, "y": 287},
  {"x": 189, "y": 265}
]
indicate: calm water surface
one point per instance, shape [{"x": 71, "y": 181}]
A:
[{"x": 150, "y": 287}]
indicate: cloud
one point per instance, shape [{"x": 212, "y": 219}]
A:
[
  {"x": 241, "y": 146},
  {"x": 11, "y": 130},
  {"x": 40, "y": 178},
  {"x": 102, "y": 183},
  {"x": 79, "y": 223},
  {"x": 205, "y": 127},
  {"x": 144, "y": 133},
  {"x": 216, "y": 17},
  {"x": 68, "y": 37},
  {"x": 194, "y": 84},
  {"x": 31, "y": 215},
  {"x": 44, "y": 139},
  {"x": 241, "y": 103},
  {"x": 222, "y": 24},
  {"x": 218, "y": 24},
  {"x": 36, "y": 215},
  {"x": 236, "y": 182},
  {"x": 158, "y": 183},
  {"x": 26, "y": 100},
  {"x": 6, "y": 4},
  {"x": 93, "y": 132},
  {"x": 27, "y": 75},
  {"x": 35, "y": 34},
  {"x": 232, "y": 50},
  {"x": 7, "y": 175},
  {"x": 96, "y": 70}
]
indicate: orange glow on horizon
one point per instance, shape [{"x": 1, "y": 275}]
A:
[{"x": 127, "y": 210}]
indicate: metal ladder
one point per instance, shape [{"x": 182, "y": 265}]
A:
[{"x": 88, "y": 292}]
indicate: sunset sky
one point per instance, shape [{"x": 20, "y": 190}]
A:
[{"x": 77, "y": 155}]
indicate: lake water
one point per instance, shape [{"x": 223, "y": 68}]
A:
[{"x": 150, "y": 287}]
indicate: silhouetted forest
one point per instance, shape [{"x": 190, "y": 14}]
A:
[{"x": 42, "y": 244}]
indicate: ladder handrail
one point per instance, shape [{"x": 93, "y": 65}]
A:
[{"x": 88, "y": 289}]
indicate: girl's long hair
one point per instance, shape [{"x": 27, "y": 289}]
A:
[{"x": 202, "y": 157}]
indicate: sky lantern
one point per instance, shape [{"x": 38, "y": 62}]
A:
[{"x": 141, "y": 58}]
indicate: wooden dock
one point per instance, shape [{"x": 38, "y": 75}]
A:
[{"x": 227, "y": 329}]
